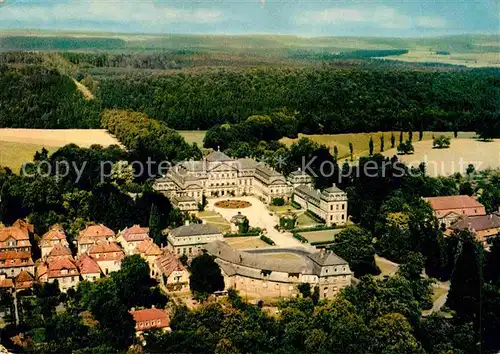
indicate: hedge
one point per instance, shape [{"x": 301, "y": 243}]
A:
[
  {"x": 252, "y": 232},
  {"x": 300, "y": 238},
  {"x": 296, "y": 205},
  {"x": 314, "y": 216},
  {"x": 319, "y": 228},
  {"x": 267, "y": 240}
]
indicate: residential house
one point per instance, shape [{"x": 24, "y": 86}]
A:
[
  {"x": 24, "y": 280},
  {"x": 61, "y": 269},
  {"x": 15, "y": 238},
  {"x": 60, "y": 251},
  {"x": 170, "y": 273},
  {"x": 148, "y": 251},
  {"x": 483, "y": 226},
  {"x": 55, "y": 236},
  {"x": 88, "y": 267},
  {"x": 14, "y": 262},
  {"x": 449, "y": 209},
  {"x": 92, "y": 235},
  {"x": 151, "y": 319},
  {"x": 108, "y": 256},
  {"x": 187, "y": 239},
  {"x": 130, "y": 237}
]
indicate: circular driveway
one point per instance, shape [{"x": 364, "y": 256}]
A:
[{"x": 258, "y": 216}]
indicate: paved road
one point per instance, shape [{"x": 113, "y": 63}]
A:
[{"x": 258, "y": 216}]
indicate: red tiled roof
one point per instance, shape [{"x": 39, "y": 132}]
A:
[
  {"x": 135, "y": 233},
  {"x": 168, "y": 263},
  {"x": 6, "y": 283},
  {"x": 106, "y": 252},
  {"x": 22, "y": 224},
  {"x": 96, "y": 231},
  {"x": 151, "y": 315},
  {"x": 148, "y": 248},
  {"x": 87, "y": 265},
  {"x": 453, "y": 202},
  {"x": 55, "y": 233},
  {"x": 8, "y": 255},
  {"x": 57, "y": 266},
  {"x": 60, "y": 251},
  {"x": 105, "y": 247},
  {"x": 13, "y": 232},
  {"x": 24, "y": 280}
]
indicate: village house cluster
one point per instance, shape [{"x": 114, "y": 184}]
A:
[{"x": 98, "y": 252}]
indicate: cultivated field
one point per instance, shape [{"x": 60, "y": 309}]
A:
[
  {"x": 18, "y": 146},
  {"x": 360, "y": 141},
  {"x": 473, "y": 59},
  {"x": 461, "y": 153}
]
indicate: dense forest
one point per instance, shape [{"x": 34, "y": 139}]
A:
[
  {"x": 39, "y": 97},
  {"x": 328, "y": 100}
]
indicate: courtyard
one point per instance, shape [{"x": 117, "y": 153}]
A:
[{"x": 258, "y": 215}]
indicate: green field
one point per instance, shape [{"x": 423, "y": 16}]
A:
[
  {"x": 360, "y": 141},
  {"x": 242, "y": 50},
  {"x": 14, "y": 154},
  {"x": 321, "y": 236},
  {"x": 193, "y": 136}
]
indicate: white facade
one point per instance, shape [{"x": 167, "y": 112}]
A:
[
  {"x": 219, "y": 175},
  {"x": 330, "y": 205}
]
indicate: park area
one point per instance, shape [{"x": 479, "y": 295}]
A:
[
  {"x": 18, "y": 146},
  {"x": 320, "y": 235}
]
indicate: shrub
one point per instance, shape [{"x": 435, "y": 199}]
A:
[
  {"x": 315, "y": 217},
  {"x": 278, "y": 201},
  {"x": 441, "y": 142},
  {"x": 296, "y": 205}
]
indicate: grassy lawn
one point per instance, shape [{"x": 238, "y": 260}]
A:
[
  {"x": 321, "y": 236},
  {"x": 360, "y": 141},
  {"x": 386, "y": 267},
  {"x": 246, "y": 242},
  {"x": 303, "y": 220},
  {"x": 281, "y": 209},
  {"x": 193, "y": 136},
  {"x": 207, "y": 214}
]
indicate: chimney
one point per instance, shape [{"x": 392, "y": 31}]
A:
[
  {"x": 152, "y": 306},
  {"x": 322, "y": 252},
  {"x": 204, "y": 221},
  {"x": 469, "y": 225},
  {"x": 491, "y": 216},
  {"x": 299, "y": 169},
  {"x": 334, "y": 185},
  {"x": 318, "y": 191},
  {"x": 186, "y": 222}
]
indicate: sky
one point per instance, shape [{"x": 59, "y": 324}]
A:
[{"x": 403, "y": 18}]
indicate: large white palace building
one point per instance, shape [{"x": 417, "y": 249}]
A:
[{"x": 219, "y": 175}]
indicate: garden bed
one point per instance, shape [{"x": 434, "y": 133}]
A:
[{"x": 232, "y": 204}]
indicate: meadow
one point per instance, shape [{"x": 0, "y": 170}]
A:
[
  {"x": 18, "y": 146},
  {"x": 360, "y": 141},
  {"x": 193, "y": 136}
]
